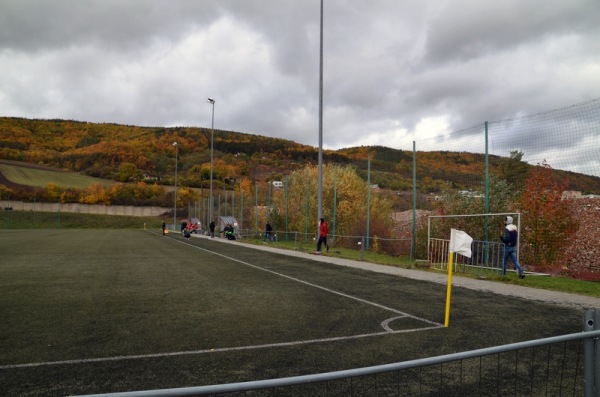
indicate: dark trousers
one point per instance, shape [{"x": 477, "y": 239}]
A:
[{"x": 322, "y": 239}]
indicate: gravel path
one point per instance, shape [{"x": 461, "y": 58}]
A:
[{"x": 535, "y": 294}]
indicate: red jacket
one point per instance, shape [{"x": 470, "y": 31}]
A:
[{"x": 323, "y": 229}]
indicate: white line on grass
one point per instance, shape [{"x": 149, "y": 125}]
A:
[
  {"x": 208, "y": 351},
  {"x": 384, "y": 324},
  {"x": 318, "y": 286}
]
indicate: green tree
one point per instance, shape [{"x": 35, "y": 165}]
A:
[
  {"x": 127, "y": 172},
  {"x": 5, "y": 192},
  {"x": 502, "y": 198},
  {"x": 514, "y": 170}
]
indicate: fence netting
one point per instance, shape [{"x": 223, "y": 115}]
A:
[{"x": 543, "y": 166}]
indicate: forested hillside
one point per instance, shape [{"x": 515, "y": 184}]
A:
[{"x": 127, "y": 153}]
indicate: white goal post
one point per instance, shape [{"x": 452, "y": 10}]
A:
[{"x": 479, "y": 229}]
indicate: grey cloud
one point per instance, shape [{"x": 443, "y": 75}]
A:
[
  {"x": 388, "y": 64},
  {"x": 475, "y": 29},
  {"x": 33, "y": 25}
]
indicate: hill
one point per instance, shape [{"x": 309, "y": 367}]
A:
[{"x": 127, "y": 153}]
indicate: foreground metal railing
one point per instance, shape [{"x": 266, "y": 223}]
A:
[{"x": 567, "y": 365}]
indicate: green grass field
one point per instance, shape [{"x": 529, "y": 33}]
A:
[
  {"x": 27, "y": 220},
  {"x": 95, "y": 311},
  {"x": 17, "y": 220},
  {"x": 38, "y": 177}
]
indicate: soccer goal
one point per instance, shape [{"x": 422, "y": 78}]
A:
[{"x": 487, "y": 250}]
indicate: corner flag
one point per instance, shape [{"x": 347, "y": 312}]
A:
[{"x": 460, "y": 242}]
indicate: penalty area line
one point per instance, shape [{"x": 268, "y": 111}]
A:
[
  {"x": 210, "y": 351},
  {"x": 401, "y": 313},
  {"x": 385, "y": 325}
]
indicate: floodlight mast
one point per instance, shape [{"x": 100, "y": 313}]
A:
[
  {"x": 175, "y": 203},
  {"x": 320, "y": 168},
  {"x": 212, "y": 131}
]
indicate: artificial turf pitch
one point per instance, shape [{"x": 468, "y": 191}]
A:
[{"x": 98, "y": 311}]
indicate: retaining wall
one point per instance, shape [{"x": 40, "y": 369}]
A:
[{"x": 84, "y": 208}]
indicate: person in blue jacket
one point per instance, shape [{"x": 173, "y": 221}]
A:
[{"x": 510, "y": 239}]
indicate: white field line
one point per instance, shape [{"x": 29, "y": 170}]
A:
[
  {"x": 317, "y": 286},
  {"x": 384, "y": 324},
  {"x": 208, "y": 351}
]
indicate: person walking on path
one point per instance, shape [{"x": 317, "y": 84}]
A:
[
  {"x": 211, "y": 227},
  {"x": 164, "y": 227},
  {"x": 510, "y": 246},
  {"x": 323, "y": 230}
]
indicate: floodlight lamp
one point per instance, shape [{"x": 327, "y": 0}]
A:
[{"x": 210, "y": 100}]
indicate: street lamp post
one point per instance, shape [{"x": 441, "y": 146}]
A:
[
  {"x": 320, "y": 166},
  {"x": 212, "y": 130},
  {"x": 175, "y": 203}
]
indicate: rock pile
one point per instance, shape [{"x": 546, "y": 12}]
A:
[{"x": 583, "y": 253}]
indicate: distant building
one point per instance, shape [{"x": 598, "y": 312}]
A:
[
  {"x": 571, "y": 194},
  {"x": 471, "y": 194},
  {"x": 148, "y": 177}
]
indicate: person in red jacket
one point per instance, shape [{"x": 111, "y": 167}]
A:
[{"x": 323, "y": 230}]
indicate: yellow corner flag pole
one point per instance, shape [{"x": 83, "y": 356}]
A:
[{"x": 449, "y": 289}]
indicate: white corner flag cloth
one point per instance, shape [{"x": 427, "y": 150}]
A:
[{"x": 460, "y": 242}]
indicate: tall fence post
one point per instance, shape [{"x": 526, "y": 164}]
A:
[
  {"x": 591, "y": 355},
  {"x": 362, "y": 247},
  {"x": 413, "y": 248},
  {"x": 368, "y": 198}
]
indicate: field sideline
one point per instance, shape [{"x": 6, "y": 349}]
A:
[{"x": 92, "y": 311}]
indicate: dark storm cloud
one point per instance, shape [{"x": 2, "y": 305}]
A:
[
  {"x": 395, "y": 71},
  {"x": 33, "y": 25},
  {"x": 475, "y": 29}
]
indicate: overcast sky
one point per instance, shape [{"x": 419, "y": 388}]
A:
[{"x": 394, "y": 70}]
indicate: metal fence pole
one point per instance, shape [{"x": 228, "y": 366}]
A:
[
  {"x": 597, "y": 354},
  {"x": 591, "y": 355},
  {"x": 362, "y": 247}
]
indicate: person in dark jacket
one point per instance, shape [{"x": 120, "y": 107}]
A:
[
  {"x": 510, "y": 239},
  {"x": 228, "y": 232},
  {"x": 211, "y": 227},
  {"x": 268, "y": 232}
]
